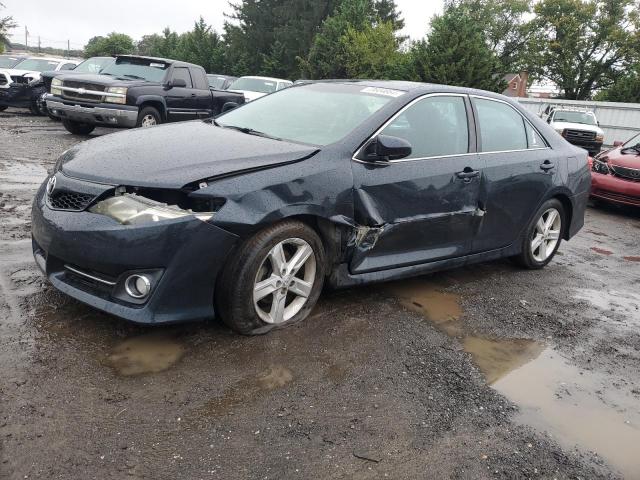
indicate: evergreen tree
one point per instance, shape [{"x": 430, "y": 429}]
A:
[
  {"x": 203, "y": 47},
  {"x": 113, "y": 44},
  {"x": 456, "y": 53}
]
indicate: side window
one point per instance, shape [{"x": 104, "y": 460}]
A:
[
  {"x": 501, "y": 127},
  {"x": 534, "y": 139},
  {"x": 434, "y": 126},
  {"x": 199, "y": 79},
  {"x": 68, "y": 66},
  {"x": 183, "y": 73}
]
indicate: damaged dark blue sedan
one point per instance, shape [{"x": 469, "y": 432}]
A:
[{"x": 246, "y": 217}]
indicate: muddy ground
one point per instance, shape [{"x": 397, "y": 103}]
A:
[{"x": 481, "y": 372}]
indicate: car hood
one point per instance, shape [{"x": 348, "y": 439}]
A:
[
  {"x": 248, "y": 94},
  {"x": 13, "y": 72},
  {"x": 577, "y": 126},
  {"x": 107, "y": 80},
  {"x": 172, "y": 156},
  {"x": 617, "y": 158}
]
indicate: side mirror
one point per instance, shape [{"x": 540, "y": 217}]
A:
[
  {"x": 229, "y": 106},
  {"x": 178, "y": 82},
  {"x": 386, "y": 147},
  {"x": 618, "y": 143}
]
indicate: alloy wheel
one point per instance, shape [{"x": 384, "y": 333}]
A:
[
  {"x": 546, "y": 235},
  {"x": 284, "y": 280},
  {"x": 148, "y": 121}
]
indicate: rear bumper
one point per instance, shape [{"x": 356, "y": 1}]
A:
[
  {"x": 94, "y": 113},
  {"x": 615, "y": 189},
  {"x": 89, "y": 256}
]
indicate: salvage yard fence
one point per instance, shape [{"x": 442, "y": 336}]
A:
[{"x": 619, "y": 121}]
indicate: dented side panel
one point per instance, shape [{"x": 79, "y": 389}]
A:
[{"x": 414, "y": 212}]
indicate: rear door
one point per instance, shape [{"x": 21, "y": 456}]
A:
[
  {"x": 201, "y": 94},
  {"x": 519, "y": 170},
  {"x": 424, "y": 207},
  {"x": 180, "y": 102}
]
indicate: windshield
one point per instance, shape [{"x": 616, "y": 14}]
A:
[
  {"x": 8, "y": 62},
  {"x": 318, "y": 114},
  {"x": 586, "y": 118},
  {"x": 37, "y": 65},
  {"x": 93, "y": 65},
  {"x": 216, "y": 82},
  {"x": 254, "y": 85},
  {"x": 633, "y": 141},
  {"x": 137, "y": 68}
]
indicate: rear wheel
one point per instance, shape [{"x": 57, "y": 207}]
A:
[
  {"x": 149, "y": 117},
  {"x": 78, "y": 128},
  {"x": 274, "y": 279},
  {"x": 543, "y": 236}
]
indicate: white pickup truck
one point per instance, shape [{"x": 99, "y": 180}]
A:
[{"x": 579, "y": 127}]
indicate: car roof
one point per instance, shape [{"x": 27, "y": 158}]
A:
[
  {"x": 168, "y": 61},
  {"x": 273, "y": 79},
  {"x": 51, "y": 59}
]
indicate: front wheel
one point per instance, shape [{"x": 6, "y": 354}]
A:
[
  {"x": 274, "y": 279},
  {"x": 78, "y": 128},
  {"x": 148, "y": 117},
  {"x": 543, "y": 236}
]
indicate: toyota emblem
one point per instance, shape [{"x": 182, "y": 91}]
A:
[{"x": 51, "y": 185}]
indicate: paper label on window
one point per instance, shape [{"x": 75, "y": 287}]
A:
[
  {"x": 387, "y": 92},
  {"x": 159, "y": 65}
]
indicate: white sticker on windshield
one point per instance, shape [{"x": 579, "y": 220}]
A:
[
  {"x": 387, "y": 92},
  {"x": 159, "y": 65}
]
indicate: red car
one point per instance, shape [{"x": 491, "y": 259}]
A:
[{"x": 615, "y": 174}]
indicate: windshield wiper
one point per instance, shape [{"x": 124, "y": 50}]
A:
[
  {"x": 249, "y": 131},
  {"x": 134, "y": 76},
  {"x": 635, "y": 148}
]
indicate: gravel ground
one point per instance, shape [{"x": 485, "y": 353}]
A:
[{"x": 481, "y": 372}]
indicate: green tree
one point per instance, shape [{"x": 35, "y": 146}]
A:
[
  {"x": 203, "y": 47},
  {"x": 506, "y": 28},
  {"x": 267, "y": 36},
  {"x": 456, "y": 53},
  {"x": 327, "y": 55},
  {"x": 374, "y": 52},
  {"x": 625, "y": 89},
  {"x": 112, "y": 44},
  {"x": 149, "y": 44},
  {"x": 585, "y": 45},
  {"x": 6, "y": 24}
]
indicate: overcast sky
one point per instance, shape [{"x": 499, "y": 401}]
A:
[{"x": 79, "y": 20}]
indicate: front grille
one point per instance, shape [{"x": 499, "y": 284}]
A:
[
  {"x": 579, "y": 135},
  {"x": 70, "y": 201},
  {"x": 83, "y": 96},
  {"x": 624, "y": 172}
]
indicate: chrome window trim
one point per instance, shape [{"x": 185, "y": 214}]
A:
[{"x": 443, "y": 94}]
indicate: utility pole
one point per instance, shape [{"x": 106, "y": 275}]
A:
[
  {"x": 39, "y": 51},
  {"x": 26, "y": 38},
  {"x": 68, "y": 49}
]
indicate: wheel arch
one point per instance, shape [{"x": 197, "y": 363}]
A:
[
  {"x": 156, "y": 102},
  {"x": 567, "y": 205}
]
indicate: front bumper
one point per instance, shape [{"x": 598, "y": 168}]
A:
[
  {"x": 592, "y": 147},
  {"x": 615, "y": 189},
  {"x": 20, "y": 95},
  {"x": 107, "y": 114},
  {"x": 183, "y": 256}
]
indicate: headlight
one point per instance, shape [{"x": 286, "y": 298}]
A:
[
  {"x": 600, "y": 137},
  {"x": 600, "y": 167},
  {"x": 119, "y": 95},
  {"x": 34, "y": 81},
  {"x": 560, "y": 130},
  {"x": 56, "y": 82},
  {"x": 130, "y": 209}
]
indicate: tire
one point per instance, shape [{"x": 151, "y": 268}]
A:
[
  {"x": 149, "y": 117},
  {"x": 78, "y": 128},
  {"x": 253, "y": 264},
  {"x": 3, "y": 108},
  {"x": 35, "y": 109},
  {"x": 533, "y": 257}
]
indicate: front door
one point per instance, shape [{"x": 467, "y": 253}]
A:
[
  {"x": 424, "y": 207},
  {"x": 180, "y": 100}
]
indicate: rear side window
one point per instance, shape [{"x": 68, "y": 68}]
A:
[
  {"x": 501, "y": 127},
  {"x": 182, "y": 73},
  {"x": 199, "y": 79},
  {"x": 434, "y": 126}
]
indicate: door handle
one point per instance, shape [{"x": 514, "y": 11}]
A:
[
  {"x": 193, "y": 94},
  {"x": 547, "y": 165},
  {"x": 467, "y": 174}
]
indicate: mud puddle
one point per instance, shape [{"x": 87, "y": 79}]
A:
[
  {"x": 575, "y": 407},
  {"x": 151, "y": 353},
  {"x": 21, "y": 176}
]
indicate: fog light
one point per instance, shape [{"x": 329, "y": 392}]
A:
[{"x": 138, "y": 286}]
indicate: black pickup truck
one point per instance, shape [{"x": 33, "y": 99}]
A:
[{"x": 136, "y": 91}]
